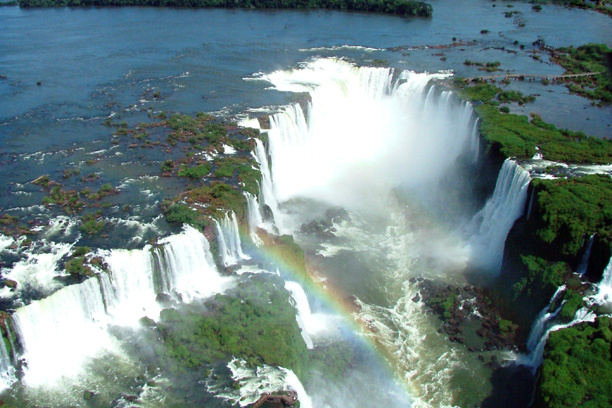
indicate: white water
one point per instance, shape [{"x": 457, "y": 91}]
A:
[
  {"x": 604, "y": 289},
  {"x": 255, "y": 218},
  {"x": 490, "y": 226},
  {"x": 255, "y": 382},
  {"x": 266, "y": 187},
  {"x": 312, "y": 325},
  {"x": 60, "y": 332},
  {"x": 228, "y": 240},
  {"x": 7, "y": 371},
  {"x": 39, "y": 267},
  {"x": 535, "y": 358},
  {"x": 63, "y": 331},
  {"x": 362, "y": 135},
  {"x": 584, "y": 262},
  {"x": 545, "y": 316}
]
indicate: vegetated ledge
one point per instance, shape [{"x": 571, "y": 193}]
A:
[
  {"x": 547, "y": 244},
  {"x": 577, "y": 367},
  {"x": 517, "y": 136},
  {"x": 406, "y": 8}
]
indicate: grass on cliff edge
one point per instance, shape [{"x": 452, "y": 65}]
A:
[
  {"x": 517, "y": 136},
  {"x": 572, "y": 209},
  {"x": 577, "y": 367}
]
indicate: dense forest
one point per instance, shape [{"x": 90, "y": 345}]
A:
[{"x": 399, "y": 7}]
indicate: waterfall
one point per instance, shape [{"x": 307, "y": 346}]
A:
[
  {"x": 7, "y": 371},
  {"x": 536, "y": 356},
  {"x": 254, "y": 382},
  {"x": 584, "y": 262},
  {"x": 255, "y": 219},
  {"x": 530, "y": 205},
  {"x": 604, "y": 289},
  {"x": 266, "y": 187},
  {"x": 474, "y": 140},
  {"x": 129, "y": 288},
  {"x": 187, "y": 266},
  {"x": 228, "y": 239},
  {"x": 545, "y": 316},
  {"x": 61, "y": 332},
  {"x": 362, "y": 132},
  {"x": 490, "y": 226},
  {"x": 311, "y": 324}
]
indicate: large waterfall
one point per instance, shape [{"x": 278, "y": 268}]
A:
[
  {"x": 363, "y": 133},
  {"x": 60, "y": 332},
  {"x": 490, "y": 226},
  {"x": 382, "y": 145}
]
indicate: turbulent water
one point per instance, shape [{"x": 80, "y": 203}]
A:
[{"x": 381, "y": 159}]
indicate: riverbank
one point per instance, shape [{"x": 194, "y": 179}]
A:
[{"x": 405, "y": 8}]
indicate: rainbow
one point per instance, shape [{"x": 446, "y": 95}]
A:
[{"x": 288, "y": 257}]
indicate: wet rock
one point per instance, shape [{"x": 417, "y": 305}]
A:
[{"x": 10, "y": 283}]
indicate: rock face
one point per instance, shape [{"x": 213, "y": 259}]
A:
[{"x": 469, "y": 317}]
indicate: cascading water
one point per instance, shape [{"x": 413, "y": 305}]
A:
[
  {"x": 604, "y": 289},
  {"x": 362, "y": 138},
  {"x": 266, "y": 186},
  {"x": 544, "y": 324},
  {"x": 311, "y": 324},
  {"x": 584, "y": 262},
  {"x": 61, "y": 332},
  {"x": 228, "y": 239},
  {"x": 255, "y": 382},
  {"x": 545, "y": 317},
  {"x": 255, "y": 218},
  {"x": 535, "y": 357},
  {"x": 490, "y": 226},
  {"x": 7, "y": 371}
]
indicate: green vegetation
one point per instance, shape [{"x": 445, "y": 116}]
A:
[
  {"x": 332, "y": 359},
  {"x": 484, "y": 66},
  {"x": 584, "y": 59},
  {"x": 573, "y": 302},
  {"x": 255, "y": 322},
  {"x": 443, "y": 305},
  {"x": 515, "y": 96},
  {"x": 565, "y": 213},
  {"x": 570, "y": 209},
  {"x": 577, "y": 367},
  {"x": 92, "y": 224},
  {"x": 540, "y": 277},
  {"x": 197, "y": 172},
  {"x": 398, "y": 7},
  {"x": 218, "y": 198},
  {"x": 245, "y": 169},
  {"x": 76, "y": 266},
  {"x": 516, "y": 136},
  {"x": 167, "y": 166},
  {"x": 601, "y": 6}
]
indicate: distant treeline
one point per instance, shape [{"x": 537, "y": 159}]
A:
[{"x": 399, "y": 7}]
